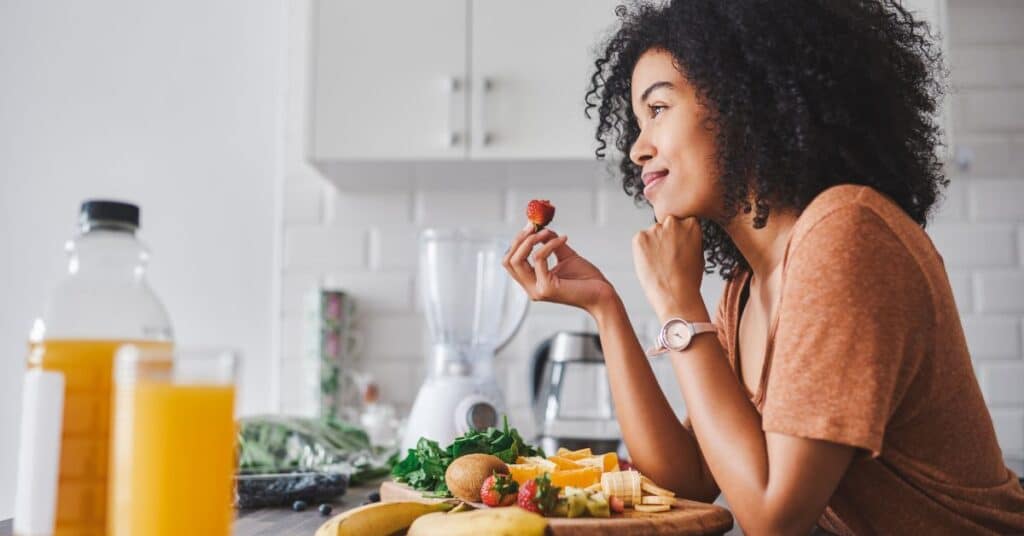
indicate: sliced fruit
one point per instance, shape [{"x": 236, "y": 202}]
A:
[
  {"x": 652, "y": 508},
  {"x": 576, "y": 502},
  {"x": 576, "y": 454},
  {"x": 522, "y": 472},
  {"x": 579, "y": 478},
  {"x": 611, "y": 461},
  {"x": 548, "y": 465},
  {"x": 658, "y": 499},
  {"x": 622, "y": 484},
  {"x": 649, "y": 486},
  {"x": 563, "y": 463},
  {"x": 597, "y": 505},
  {"x": 593, "y": 487}
]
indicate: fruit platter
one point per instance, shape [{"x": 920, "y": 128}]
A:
[{"x": 493, "y": 482}]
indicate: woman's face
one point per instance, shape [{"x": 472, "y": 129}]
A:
[{"x": 674, "y": 148}]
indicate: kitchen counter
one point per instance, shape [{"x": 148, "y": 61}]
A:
[{"x": 278, "y": 521}]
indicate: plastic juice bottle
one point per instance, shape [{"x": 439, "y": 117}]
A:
[{"x": 104, "y": 301}]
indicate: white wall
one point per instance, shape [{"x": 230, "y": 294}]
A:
[
  {"x": 979, "y": 230},
  {"x": 174, "y": 105}
]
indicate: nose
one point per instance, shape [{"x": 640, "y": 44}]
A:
[{"x": 642, "y": 149}]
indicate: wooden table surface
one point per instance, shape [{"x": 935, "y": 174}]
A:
[{"x": 278, "y": 521}]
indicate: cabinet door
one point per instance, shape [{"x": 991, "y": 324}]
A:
[
  {"x": 389, "y": 80},
  {"x": 530, "y": 67}
]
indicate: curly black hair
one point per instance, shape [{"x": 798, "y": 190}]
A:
[{"x": 801, "y": 95}]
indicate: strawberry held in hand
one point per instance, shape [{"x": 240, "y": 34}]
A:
[
  {"x": 540, "y": 212},
  {"x": 538, "y": 495},
  {"x": 499, "y": 490}
]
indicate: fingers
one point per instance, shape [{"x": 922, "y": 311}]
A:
[
  {"x": 540, "y": 257},
  {"x": 517, "y": 261}
]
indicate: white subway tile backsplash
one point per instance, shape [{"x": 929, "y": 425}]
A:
[
  {"x": 374, "y": 292},
  {"x": 974, "y": 245},
  {"x": 459, "y": 207},
  {"x": 997, "y": 199},
  {"x": 616, "y": 209},
  {"x": 992, "y": 110},
  {"x": 977, "y": 67},
  {"x": 1003, "y": 383},
  {"x": 1009, "y": 424},
  {"x": 364, "y": 208},
  {"x": 394, "y": 247},
  {"x": 992, "y": 337},
  {"x": 988, "y": 156},
  {"x": 952, "y": 207},
  {"x": 1000, "y": 292},
  {"x": 393, "y": 336},
  {"x": 324, "y": 247},
  {"x": 985, "y": 22}
]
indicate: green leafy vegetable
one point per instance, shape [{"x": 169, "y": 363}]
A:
[{"x": 423, "y": 467}]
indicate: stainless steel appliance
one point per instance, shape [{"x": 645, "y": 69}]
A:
[{"x": 572, "y": 401}]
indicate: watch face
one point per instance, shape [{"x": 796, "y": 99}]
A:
[{"x": 677, "y": 335}]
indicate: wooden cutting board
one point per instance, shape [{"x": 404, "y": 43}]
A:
[{"x": 686, "y": 517}]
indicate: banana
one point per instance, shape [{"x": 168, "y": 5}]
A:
[
  {"x": 378, "y": 519},
  {"x": 506, "y": 521}
]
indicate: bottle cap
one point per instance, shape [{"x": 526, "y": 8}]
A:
[{"x": 102, "y": 211}]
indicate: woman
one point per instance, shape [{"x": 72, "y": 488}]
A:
[{"x": 790, "y": 145}]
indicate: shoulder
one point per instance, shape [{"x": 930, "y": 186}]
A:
[
  {"x": 854, "y": 238},
  {"x": 859, "y": 216}
]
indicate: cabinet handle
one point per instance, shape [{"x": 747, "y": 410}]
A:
[
  {"x": 452, "y": 86},
  {"x": 486, "y": 86}
]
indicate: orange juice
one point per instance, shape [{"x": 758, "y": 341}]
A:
[
  {"x": 85, "y": 436},
  {"x": 173, "y": 459}
]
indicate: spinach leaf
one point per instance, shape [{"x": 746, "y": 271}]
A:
[{"x": 423, "y": 467}]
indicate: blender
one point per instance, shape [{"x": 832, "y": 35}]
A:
[{"x": 473, "y": 310}]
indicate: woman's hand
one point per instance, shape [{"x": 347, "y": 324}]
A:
[
  {"x": 669, "y": 262},
  {"x": 571, "y": 281}
]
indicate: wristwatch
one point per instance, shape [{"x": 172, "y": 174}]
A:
[{"x": 676, "y": 335}]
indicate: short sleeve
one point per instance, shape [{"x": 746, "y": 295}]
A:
[{"x": 854, "y": 318}]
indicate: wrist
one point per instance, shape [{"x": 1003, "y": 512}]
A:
[
  {"x": 606, "y": 309},
  {"x": 692, "y": 310}
]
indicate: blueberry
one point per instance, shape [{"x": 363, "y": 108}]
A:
[
  {"x": 299, "y": 506},
  {"x": 374, "y": 496},
  {"x": 325, "y": 509}
]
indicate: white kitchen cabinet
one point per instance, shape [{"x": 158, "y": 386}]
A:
[
  {"x": 485, "y": 79},
  {"x": 389, "y": 80},
  {"x": 531, "y": 62}
]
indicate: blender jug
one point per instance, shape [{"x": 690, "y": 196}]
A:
[{"x": 473, "y": 309}]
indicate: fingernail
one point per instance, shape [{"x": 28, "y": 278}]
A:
[{"x": 528, "y": 227}]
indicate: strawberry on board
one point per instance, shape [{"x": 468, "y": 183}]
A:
[
  {"x": 540, "y": 212},
  {"x": 538, "y": 495},
  {"x": 499, "y": 490}
]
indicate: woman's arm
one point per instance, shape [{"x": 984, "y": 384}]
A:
[
  {"x": 775, "y": 483},
  {"x": 659, "y": 446}
]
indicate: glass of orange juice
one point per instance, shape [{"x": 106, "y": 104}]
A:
[{"x": 172, "y": 447}]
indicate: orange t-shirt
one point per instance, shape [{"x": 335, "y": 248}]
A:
[{"x": 867, "y": 350}]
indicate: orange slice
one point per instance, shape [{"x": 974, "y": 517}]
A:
[
  {"x": 563, "y": 463},
  {"x": 579, "y": 478},
  {"x": 523, "y": 473},
  {"x": 576, "y": 454}
]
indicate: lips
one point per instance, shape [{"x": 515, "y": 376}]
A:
[{"x": 652, "y": 176}]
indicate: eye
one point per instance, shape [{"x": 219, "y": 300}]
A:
[{"x": 655, "y": 109}]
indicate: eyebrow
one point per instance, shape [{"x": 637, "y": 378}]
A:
[{"x": 657, "y": 85}]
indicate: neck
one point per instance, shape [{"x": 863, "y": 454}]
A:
[{"x": 762, "y": 248}]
